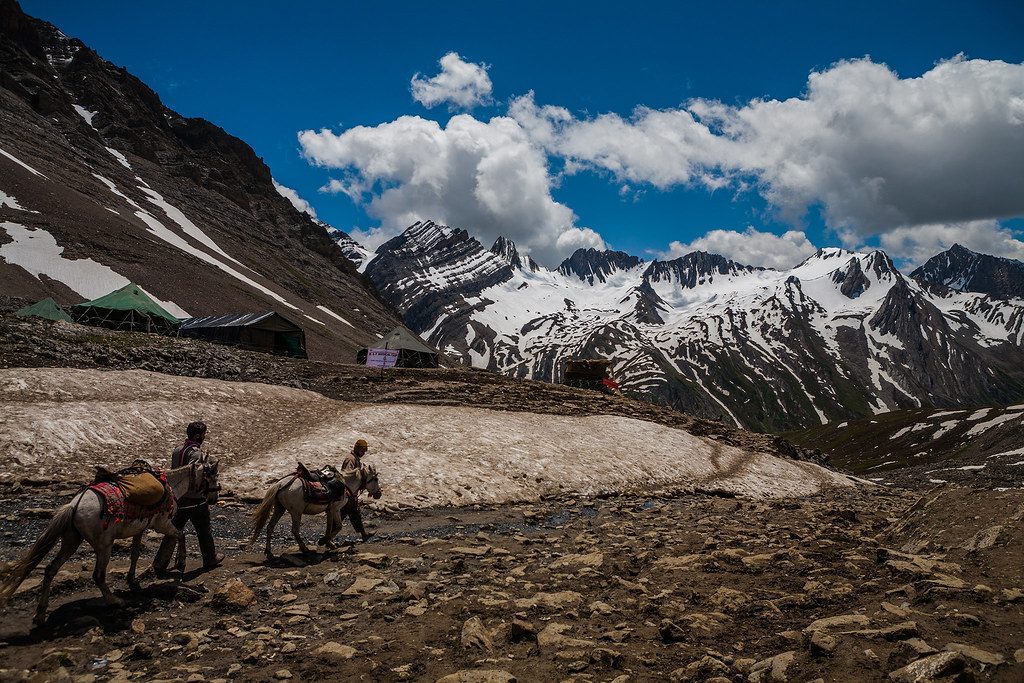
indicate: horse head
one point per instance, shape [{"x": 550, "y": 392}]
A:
[
  {"x": 204, "y": 478},
  {"x": 371, "y": 482}
]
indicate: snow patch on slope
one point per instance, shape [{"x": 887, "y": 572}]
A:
[
  {"x": 21, "y": 163},
  {"x": 37, "y": 251},
  {"x": 52, "y": 419}
]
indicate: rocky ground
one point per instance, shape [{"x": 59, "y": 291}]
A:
[{"x": 861, "y": 585}]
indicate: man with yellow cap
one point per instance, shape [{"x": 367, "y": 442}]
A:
[{"x": 353, "y": 461}]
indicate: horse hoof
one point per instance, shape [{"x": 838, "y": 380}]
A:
[
  {"x": 39, "y": 620},
  {"x": 134, "y": 586},
  {"x": 116, "y": 603}
]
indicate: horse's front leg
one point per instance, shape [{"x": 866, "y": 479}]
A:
[
  {"x": 133, "y": 584},
  {"x": 333, "y": 525},
  {"x": 103, "y": 548}
]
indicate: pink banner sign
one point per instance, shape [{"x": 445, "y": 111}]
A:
[{"x": 381, "y": 358}]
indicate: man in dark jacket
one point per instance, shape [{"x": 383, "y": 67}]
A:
[{"x": 190, "y": 509}]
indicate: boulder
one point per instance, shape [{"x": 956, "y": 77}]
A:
[
  {"x": 478, "y": 676},
  {"x": 930, "y": 668},
  {"x": 476, "y": 635},
  {"x": 233, "y": 596},
  {"x": 332, "y": 653}
]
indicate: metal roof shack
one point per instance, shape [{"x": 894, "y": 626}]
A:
[{"x": 269, "y": 332}]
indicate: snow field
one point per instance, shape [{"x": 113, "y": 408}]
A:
[{"x": 60, "y": 423}]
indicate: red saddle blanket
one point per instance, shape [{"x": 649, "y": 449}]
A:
[
  {"x": 118, "y": 508},
  {"x": 323, "y": 493}
]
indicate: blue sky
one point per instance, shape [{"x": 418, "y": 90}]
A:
[{"x": 265, "y": 73}]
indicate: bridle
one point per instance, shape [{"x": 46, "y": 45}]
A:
[{"x": 206, "y": 490}]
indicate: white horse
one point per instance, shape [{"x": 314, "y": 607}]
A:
[
  {"x": 83, "y": 518},
  {"x": 286, "y": 495}
]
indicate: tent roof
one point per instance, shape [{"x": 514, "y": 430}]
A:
[
  {"x": 47, "y": 308},
  {"x": 229, "y": 320},
  {"x": 401, "y": 338},
  {"x": 131, "y": 297}
]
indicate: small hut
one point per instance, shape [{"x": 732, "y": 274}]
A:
[
  {"x": 589, "y": 373},
  {"x": 412, "y": 353},
  {"x": 128, "y": 308},
  {"x": 269, "y": 332},
  {"x": 47, "y": 308}
]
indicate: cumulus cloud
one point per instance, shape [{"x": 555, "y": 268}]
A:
[
  {"x": 750, "y": 247},
  {"x": 921, "y": 161},
  {"x": 461, "y": 84},
  {"x": 291, "y": 195},
  {"x": 875, "y": 151},
  {"x": 486, "y": 177},
  {"x": 915, "y": 245}
]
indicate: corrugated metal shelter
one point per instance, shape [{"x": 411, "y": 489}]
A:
[
  {"x": 412, "y": 353},
  {"x": 269, "y": 332},
  {"x": 128, "y": 308},
  {"x": 47, "y": 308}
]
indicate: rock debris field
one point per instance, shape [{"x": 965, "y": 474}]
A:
[{"x": 848, "y": 585}]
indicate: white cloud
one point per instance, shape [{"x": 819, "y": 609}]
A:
[
  {"x": 875, "y": 151},
  {"x": 488, "y": 178},
  {"x": 291, "y": 195},
  {"x": 750, "y": 247},
  {"x": 461, "y": 84},
  {"x": 915, "y": 245}
]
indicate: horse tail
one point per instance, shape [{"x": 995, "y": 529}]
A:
[
  {"x": 58, "y": 525},
  {"x": 262, "y": 513}
]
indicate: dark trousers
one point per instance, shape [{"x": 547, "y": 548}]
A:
[
  {"x": 355, "y": 516},
  {"x": 200, "y": 518}
]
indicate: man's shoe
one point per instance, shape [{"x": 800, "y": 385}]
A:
[{"x": 218, "y": 560}]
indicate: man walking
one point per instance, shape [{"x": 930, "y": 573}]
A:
[
  {"x": 353, "y": 461},
  {"x": 190, "y": 509}
]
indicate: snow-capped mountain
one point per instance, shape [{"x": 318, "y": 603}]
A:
[
  {"x": 101, "y": 184},
  {"x": 839, "y": 336},
  {"x": 964, "y": 270}
]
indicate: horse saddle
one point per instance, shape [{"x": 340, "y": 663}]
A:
[
  {"x": 140, "y": 484},
  {"x": 321, "y": 487}
]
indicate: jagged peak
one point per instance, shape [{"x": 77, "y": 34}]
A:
[
  {"x": 505, "y": 249},
  {"x": 588, "y": 264}
]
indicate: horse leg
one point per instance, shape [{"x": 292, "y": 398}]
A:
[
  {"x": 274, "y": 517},
  {"x": 68, "y": 545},
  {"x": 133, "y": 584},
  {"x": 99, "y": 574},
  {"x": 328, "y": 539},
  {"x": 296, "y": 519}
]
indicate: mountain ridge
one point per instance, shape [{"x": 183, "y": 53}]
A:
[
  {"x": 102, "y": 184},
  {"x": 841, "y": 335}
]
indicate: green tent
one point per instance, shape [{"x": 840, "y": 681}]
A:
[
  {"x": 47, "y": 308},
  {"x": 128, "y": 308}
]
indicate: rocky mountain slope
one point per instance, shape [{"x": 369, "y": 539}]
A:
[
  {"x": 973, "y": 446},
  {"x": 100, "y": 184},
  {"x": 963, "y": 270},
  {"x": 842, "y": 335}
]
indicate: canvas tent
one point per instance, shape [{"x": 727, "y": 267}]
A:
[
  {"x": 412, "y": 353},
  {"x": 47, "y": 308},
  {"x": 269, "y": 332},
  {"x": 128, "y": 308}
]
